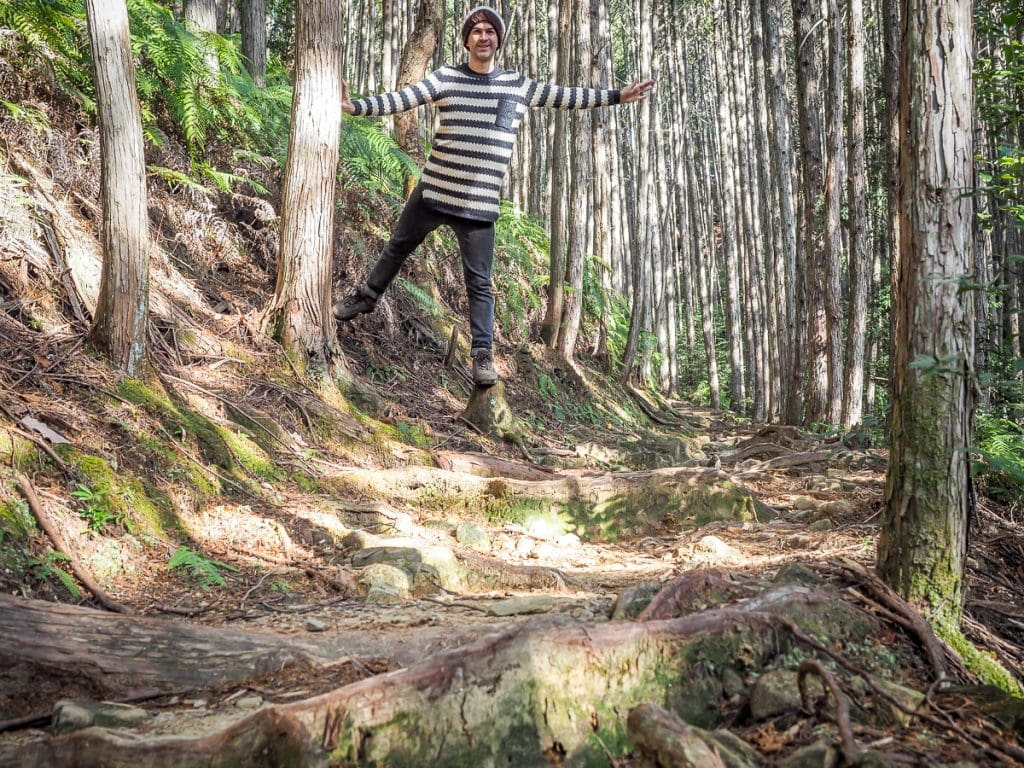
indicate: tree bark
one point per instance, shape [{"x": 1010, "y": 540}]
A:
[
  {"x": 299, "y": 315},
  {"x": 122, "y": 310},
  {"x": 923, "y": 540},
  {"x": 254, "y": 39},
  {"x": 807, "y": 25},
  {"x": 417, "y": 54},
  {"x": 860, "y": 263},
  {"x": 201, "y": 18}
]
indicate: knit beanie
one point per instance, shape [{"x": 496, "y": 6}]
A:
[{"x": 479, "y": 14}]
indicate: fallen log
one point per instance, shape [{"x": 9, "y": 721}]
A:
[
  {"x": 120, "y": 653},
  {"x": 482, "y": 465},
  {"x": 540, "y": 691}
]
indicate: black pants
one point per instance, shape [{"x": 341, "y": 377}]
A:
[{"x": 476, "y": 243}]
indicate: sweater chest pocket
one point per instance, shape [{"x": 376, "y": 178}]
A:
[{"x": 506, "y": 113}]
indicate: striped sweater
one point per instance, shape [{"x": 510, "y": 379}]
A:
[{"x": 480, "y": 116}]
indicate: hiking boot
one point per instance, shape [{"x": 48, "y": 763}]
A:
[
  {"x": 356, "y": 303},
  {"x": 484, "y": 372}
]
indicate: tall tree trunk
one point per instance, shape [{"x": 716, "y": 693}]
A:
[
  {"x": 201, "y": 17},
  {"x": 122, "y": 310},
  {"x": 923, "y": 541},
  {"x": 580, "y": 214},
  {"x": 782, "y": 175},
  {"x": 643, "y": 298},
  {"x": 558, "y": 222},
  {"x": 834, "y": 173},
  {"x": 417, "y": 54},
  {"x": 853, "y": 386},
  {"x": 729, "y": 225},
  {"x": 299, "y": 315},
  {"x": 807, "y": 21},
  {"x": 254, "y": 39}
]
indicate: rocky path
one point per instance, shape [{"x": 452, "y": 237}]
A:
[{"x": 342, "y": 639}]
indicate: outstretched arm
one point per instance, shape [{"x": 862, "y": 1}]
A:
[
  {"x": 641, "y": 89},
  {"x": 392, "y": 102},
  {"x": 562, "y": 97}
]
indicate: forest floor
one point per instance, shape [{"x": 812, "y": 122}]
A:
[{"x": 368, "y": 580}]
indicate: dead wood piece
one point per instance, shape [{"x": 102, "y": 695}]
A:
[
  {"x": 672, "y": 599},
  {"x": 668, "y": 739},
  {"x": 813, "y": 667},
  {"x": 120, "y": 653},
  {"x": 482, "y": 465},
  {"x": 756, "y": 449},
  {"x": 796, "y": 460},
  {"x": 80, "y": 571}
]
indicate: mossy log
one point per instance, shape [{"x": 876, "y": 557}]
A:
[
  {"x": 539, "y": 693},
  {"x": 526, "y": 697},
  {"x": 120, "y": 653}
]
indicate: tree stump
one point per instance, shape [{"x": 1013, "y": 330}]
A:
[{"x": 489, "y": 412}]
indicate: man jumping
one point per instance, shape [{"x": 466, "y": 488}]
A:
[{"x": 481, "y": 106}]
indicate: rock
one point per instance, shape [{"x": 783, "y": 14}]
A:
[
  {"x": 796, "y": 573},
  {"x": 545, "y": 551},
  {"x": 71, "y": 716},
  {"x": 734, "y": 751},
  {"x": 74, "y": 715},
  {"x": 799, "y": 542},
  {"x": 473, "y": 536},
  {"x": 820, "y": 754},
  {"x": 631, "y": 601},
  {"x": 838, "y": 507},
  {"x": 908, "y": 697},
  {"x": 700, "y": 700},
  {"x": 714, "y": 546},
  {"x": 732, "y": 683},
  {"x": 823, "y": 484},
  {"x": 488, "y": 411},
  {"x": 524, "y": 547},
  {"x": 805, "y": 503},
  {"x": 315, "y": 625},
  {"x": 385, "y": 583},
  {"x": 525, "y": 604},
  {"x": 249, "y": 702},
  {"x": 776, "y": 693},
  {"x": 569, "y": 541},
  {"x": 825, "y": 524}
]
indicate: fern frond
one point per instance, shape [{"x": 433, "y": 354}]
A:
[{"x": 206, "y": 571}]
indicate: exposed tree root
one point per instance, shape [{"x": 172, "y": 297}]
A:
[
  {"x": 813, "y": 667},
  {"x": 900, "y": 611},
  {"x": 668, "y": 740},
  {"x": 674, "y": 598}
]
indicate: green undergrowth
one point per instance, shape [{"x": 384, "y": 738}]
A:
[
  {"x": 124, "y": 495},
  {"x": 232, "y": 451}
]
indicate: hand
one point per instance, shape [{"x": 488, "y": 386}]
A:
[
  {"x": 346, "y": 103},
  {"x": 641, "y": 89}
]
